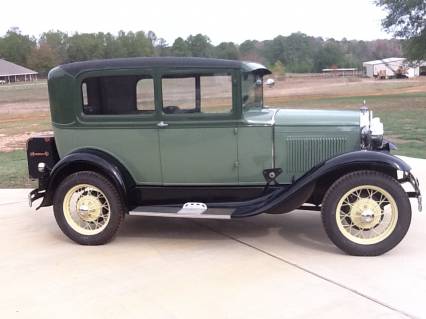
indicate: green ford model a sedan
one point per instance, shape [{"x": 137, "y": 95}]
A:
[{"x": 191, "y": 138}]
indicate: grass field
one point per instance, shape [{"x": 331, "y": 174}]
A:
[
  {"x": 401, "y": 104},
  {"x": 13, "y": 170},
  {"x": 403, "y": 116}
]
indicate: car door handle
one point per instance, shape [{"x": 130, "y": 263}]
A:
[{"x": 162, "y": 124}]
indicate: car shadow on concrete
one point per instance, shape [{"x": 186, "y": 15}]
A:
[{"x": 297, "y": 229}]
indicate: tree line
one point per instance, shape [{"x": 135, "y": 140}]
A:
[
  {"x": 407, "y": 20},
  {"x": 296, "y": 53}
]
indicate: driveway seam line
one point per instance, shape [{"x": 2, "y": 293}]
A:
[
  {"x": 10, "y": 203},
  {"x": 331, "y": 281}
]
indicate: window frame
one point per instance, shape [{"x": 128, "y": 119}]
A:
[
  {"x": 235, "y": 111},
  {"x": 153, "y": 94},
  {"x": 110, "y": 119}
]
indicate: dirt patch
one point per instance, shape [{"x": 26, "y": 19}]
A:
[
  {"x": 342, "y": 87},
  {"x": 23, "y": 107},
  {"x": 396, "y": 139},
  {"x": 18, "y": 141}
]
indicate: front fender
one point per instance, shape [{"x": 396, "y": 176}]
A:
[
  {"x": 94, "y": 160},
  {"x": 358, "y": 160},
  {"x": 339, "y": 165}
]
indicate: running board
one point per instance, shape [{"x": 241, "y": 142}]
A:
[{"x": 188, "y": 210}]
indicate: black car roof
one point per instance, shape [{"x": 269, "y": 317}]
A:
[{"x": 168, "y": 62}]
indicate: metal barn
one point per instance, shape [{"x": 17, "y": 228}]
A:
[{"x": 390, "y": 68}]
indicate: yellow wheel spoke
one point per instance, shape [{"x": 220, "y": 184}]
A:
[
  {"x": 84, "y": 205},
  {"x": 365, "y": 219}
]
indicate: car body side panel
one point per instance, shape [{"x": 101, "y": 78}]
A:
[
  {"x": 255, "y": 151},
  {"x": 136, "y": 148},
  {"x": 300, "y": 149},
  {"x": 199, "y": 155},
  {"x": 305, "y": 138}
]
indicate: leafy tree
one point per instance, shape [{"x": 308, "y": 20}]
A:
[
  {"x": 199, "y": 45},
  {"x": 329, "y": 56},
  {"x": 143, "y": 46},
  {"x": 248, "y": 47},
  {"x": 162, "y": 48},
  {"x": 251, "y": 50},
  {"x": 407, "y": 20},
  {"x": 57, "y": 41},
  {"x": 227, "y": 50},
  {"x": 295, "y": 51},
  {"x": 113, "y": 47},
  {"x": 86, "y": 46},
  {"x": 136, "y": 44},
  {"x": 180, "y": 48},
  {"x": 16, "y": 47},
  {"x": 43, "y": 58},
  {"x": 278, "y": 68},
  {"x": 152, "y": 37},
  {"x": 298, "y": 52}
]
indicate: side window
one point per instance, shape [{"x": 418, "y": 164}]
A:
[
  {"x": 179, "y": 95},
  {"x": 216, "y": 94},
  {"x": 118, "y": 95},
  {"x": 145, "y": 101},
  {"x": 198, "y": 93}
]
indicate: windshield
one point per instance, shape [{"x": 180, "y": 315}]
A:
[{"x": 252, "y": 89}]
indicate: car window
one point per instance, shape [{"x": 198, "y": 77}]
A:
[
  {"x": 252, "y": 91},
  {"x": 118, "y": 95},
  {"x": 178, "y": 94},
  {"x": 216, "y": 94},
  {"x": 198, "y": 93},
  {"x": 145, "y": 95}
]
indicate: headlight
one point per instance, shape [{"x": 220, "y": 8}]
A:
[{"x": 371, "y": 129}]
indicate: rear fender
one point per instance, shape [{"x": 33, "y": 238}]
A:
[{"x": 92, "y": 160}]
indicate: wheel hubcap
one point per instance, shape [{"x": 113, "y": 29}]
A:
[
  {"x": 89, "y": 208},
  {"x": 366, "y": 214},
  {"x": 86, "y": 209}
]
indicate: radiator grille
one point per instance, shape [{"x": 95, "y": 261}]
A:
[{"x": 305, "y": 152}]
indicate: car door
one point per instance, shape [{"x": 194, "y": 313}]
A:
[
  {"x": 117, "y": 116},
  {"x": 197, "y": 134}
]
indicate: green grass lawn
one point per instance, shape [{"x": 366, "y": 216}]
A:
[
  {"x": 30, "y": 92},
  {"x": 407, "y": 129},
  {"x": 403, "y": 116},
  {"x": 13, "y": 170}
]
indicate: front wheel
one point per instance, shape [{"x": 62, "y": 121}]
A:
[
  {"x": 366, "y": 213},
  {"x": 88, "y": 208}
]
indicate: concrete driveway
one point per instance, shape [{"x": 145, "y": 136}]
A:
[{"x": 268, "y": 266}]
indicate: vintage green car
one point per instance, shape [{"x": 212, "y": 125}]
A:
[{"x": 191, "y": 138}]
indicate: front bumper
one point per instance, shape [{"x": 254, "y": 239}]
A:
[{"x": 408, "y": 177}]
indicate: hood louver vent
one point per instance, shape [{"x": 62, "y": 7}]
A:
[{"x": 303, "y": 153}]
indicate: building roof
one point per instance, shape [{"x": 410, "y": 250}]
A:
[
  {"x": 10, "y": 69},
  {"x": 384, "y": 61},
  {"x": 76, "y": 68},
  {"x": 339, "y": 70}
]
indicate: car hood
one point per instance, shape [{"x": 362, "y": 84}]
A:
[{"x": 302, "y": 117}]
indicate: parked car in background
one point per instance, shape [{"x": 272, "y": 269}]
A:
[{"x": 192, "y": 138}]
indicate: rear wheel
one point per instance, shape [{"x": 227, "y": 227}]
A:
[
  {"x": 366, "y": 213},
  {"x": 88, "y": 208}
]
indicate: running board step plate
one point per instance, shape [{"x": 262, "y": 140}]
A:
[{"x": 188, "y": 210}]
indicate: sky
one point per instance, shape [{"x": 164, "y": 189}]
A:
[{"x": 234, "y": 21}]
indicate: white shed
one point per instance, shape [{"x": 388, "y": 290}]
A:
[{"x": 390, "y": 67}]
